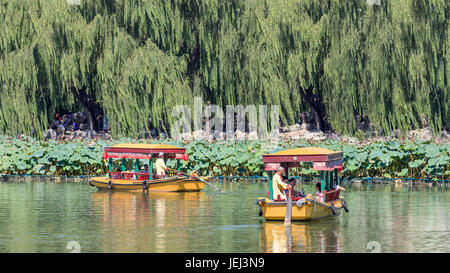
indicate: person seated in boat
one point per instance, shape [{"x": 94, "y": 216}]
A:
[
  {"x": 117, "y": 174},
  {"x": 295, "y": 194},
  {"x": 292, "y": 182},
  {"x": 160, "y": 166},
  {"x": 319, "y": 193},
  {"x": 145, "y": 173},
  {"x": 278, "y": 186}
]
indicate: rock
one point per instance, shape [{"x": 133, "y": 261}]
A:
[
  {"x": 302, "y": 132},
  {"x": 219, "y": 135},
  {"x": 295, "y": 127},
  {"x": 77, "y": 134},
  {"x": 229, "y": 135},
  {"x": 104, "y": 135},
  {"x": 60, "y": 130},
  {"x": 422, "y": 134},
  {"x": 89, "y": 134},
  {"x": 49, "y": 134},
  {"x": 185, "y": 136},
  {"x": 252, "y": 136},
  {"x": 350, "y": 140},
  {"x": 199, "y": 135},
  {"x": 444, "y": 135},
  {"x": 79, "y": 117},
  {"x": 68, "y": 127},
  {"x": 84, "y": 126},
  {"x": 239, "y": 135},
  {"x": 314, "y": 135}
]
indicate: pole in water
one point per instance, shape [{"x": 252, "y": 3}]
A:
[{"x": 288, "y": 216}]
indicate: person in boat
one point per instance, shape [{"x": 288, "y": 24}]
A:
[
  {"x": 319, "y": 193},
  {"x": 160, "y": 166},
  {"x": 292, "y": 182},
  {"x": 118, "y": 174},
  {"x": 295, "y": 194},
  {"x": 146, "y": 172},
  {"x": 278, "y": 186}
]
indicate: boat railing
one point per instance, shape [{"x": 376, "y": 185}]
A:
[
  {"x": 332, "y": 195},
  {"x": 115, "y": 175},
  {"x": 129, "y": 176},
  {"x": 280, "y": 199},
  {"x": 143, "y": 176}
]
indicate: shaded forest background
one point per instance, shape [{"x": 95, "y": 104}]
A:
[{"x": 138, "y": 58}]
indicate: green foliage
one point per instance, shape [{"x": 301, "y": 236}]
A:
[
  {"x": 139, "y": 58},
  {"x": 378, "y": 159}
]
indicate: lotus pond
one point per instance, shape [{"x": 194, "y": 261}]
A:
[{"x": 422, "y": 159}]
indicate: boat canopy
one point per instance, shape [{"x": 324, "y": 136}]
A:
[
  {"x": 322, "y": 159},
  {"x": 144, "y": 151}
]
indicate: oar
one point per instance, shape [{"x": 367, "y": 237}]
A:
[
  {"x": 288, "y": 216},
  {"x": 198, "y": 178}
]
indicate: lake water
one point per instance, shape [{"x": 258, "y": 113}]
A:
[{"x": 65, "y": 217}]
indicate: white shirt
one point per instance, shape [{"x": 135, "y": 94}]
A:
[
  {"x": 278, "y": 187},
  {"x": 160, "y": 167}
]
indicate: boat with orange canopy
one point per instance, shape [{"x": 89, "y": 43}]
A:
[
  {"x": 146, "y": 180},
  {"x": 328, "y": 162}
]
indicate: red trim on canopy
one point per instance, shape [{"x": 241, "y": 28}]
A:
[
  {"x": 128, "y": 155},
  {"x": 268, "y": 167},
  {"x": 328, "y": 165},
  {"x": 322, "y": 159},
  {"x": 145, "y": 151},
  {"x": 318, "y": 166},
  {"x": 300, "y": 158}
]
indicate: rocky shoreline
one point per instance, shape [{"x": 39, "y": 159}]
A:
[
  {"x": 308, "y": 131},
  {"x": 78, "y": 134}
]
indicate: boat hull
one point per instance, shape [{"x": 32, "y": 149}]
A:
[
  {"x": 310, "y": 210},
  {"x": 169, "y": 184}
]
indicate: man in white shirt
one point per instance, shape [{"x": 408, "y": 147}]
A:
[
  {"x": 160, "y": 166},
  {"x": 278, "y": 186}
]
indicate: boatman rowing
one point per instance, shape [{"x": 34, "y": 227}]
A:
[
  {"x": 278, "y": 186},
  {"x": 160, "y": 166}
]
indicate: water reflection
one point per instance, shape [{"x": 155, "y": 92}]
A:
[
  {"x": 302, "y": 237},
  {"x": 44, "y": 217},
  {"x": 131, "y": 218}
]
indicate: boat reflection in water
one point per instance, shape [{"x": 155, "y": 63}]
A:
[
  {"x": 137, "y": 221},
  {"x": 301, "y": 237}
]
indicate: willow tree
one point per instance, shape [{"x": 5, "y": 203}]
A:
[{"x": 138, "y": 58}]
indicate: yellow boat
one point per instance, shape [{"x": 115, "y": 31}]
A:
[
  {"x": 145, "y": 180},
  {"x": 306, "y": 208}
]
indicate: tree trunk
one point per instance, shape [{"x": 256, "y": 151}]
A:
[
  {"x": 317, "y": 106},
  {"x": 91, "y": 107}
]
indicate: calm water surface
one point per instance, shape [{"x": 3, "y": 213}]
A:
[{"x": 46, "y": 216}]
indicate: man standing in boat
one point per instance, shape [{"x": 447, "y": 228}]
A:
[
  {"x": 278, "y": 186},
  {"x": 160, "y": 166}
]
